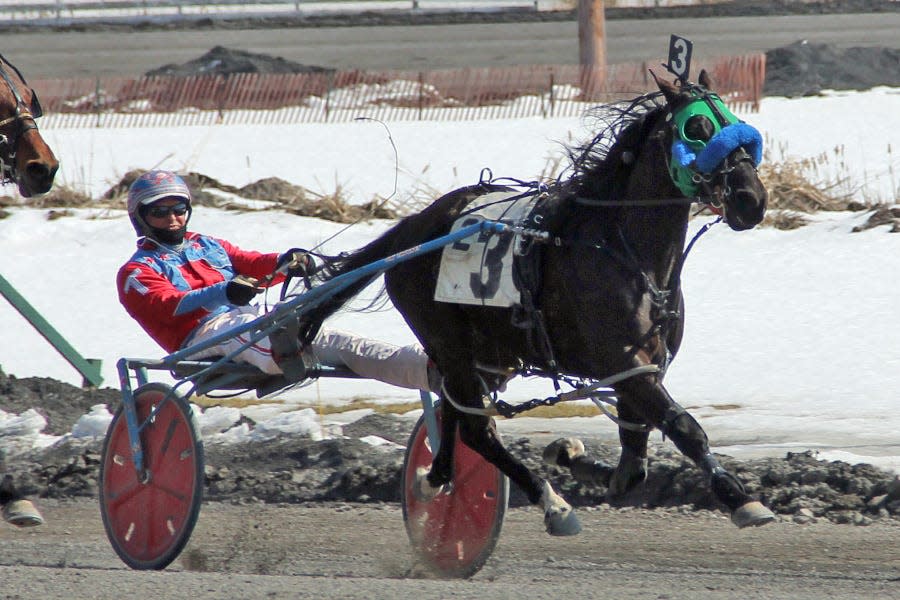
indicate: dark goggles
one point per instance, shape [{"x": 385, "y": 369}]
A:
[{"x": 161, "y": 212}]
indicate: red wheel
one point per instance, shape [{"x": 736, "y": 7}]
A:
[
  {"x": 456, "y": 532},
  {"x": 149, "y": 521}
]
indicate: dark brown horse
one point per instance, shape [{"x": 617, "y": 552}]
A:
[
  {"x": 25, "y": 158},
  {"x": 606, "y": 294}
]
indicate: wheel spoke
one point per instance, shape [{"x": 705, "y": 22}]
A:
[
  {"x": 171, "y": 492},
  {"x": 115, "y": 498}
]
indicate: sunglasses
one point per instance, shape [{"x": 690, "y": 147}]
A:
[{"x": 161, "y": 212}]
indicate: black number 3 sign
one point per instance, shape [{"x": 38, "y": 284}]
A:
[{"x": 680, "y": 57}]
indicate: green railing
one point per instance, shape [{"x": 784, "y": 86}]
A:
[{"x": 88, "y": 367}]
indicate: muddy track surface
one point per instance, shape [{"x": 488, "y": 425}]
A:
[{"x": 361, "y": 551}]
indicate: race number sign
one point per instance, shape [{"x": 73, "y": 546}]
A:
[
  {"x": 679, "y": 64},
  {"x": 479, "y": 269}
]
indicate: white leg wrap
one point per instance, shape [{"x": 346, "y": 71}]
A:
[
  {"x": 559, "y": 517},
  {"x": 423, "y": 490}
]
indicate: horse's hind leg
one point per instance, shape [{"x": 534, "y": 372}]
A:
[
  {"x": 480, "y": 434},
  {"x": 430, "y": 482},
  {"x": 658, "y": 408}
]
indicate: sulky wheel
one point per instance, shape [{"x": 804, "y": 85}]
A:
[
  {"x": 149, "y": 519},
  {"x": 455, "y": 533}
]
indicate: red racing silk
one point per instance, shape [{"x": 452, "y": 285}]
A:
[{"x": 170, "y": 290}]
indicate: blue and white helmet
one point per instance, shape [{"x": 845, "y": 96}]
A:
[{"x": 153, "y": 186}]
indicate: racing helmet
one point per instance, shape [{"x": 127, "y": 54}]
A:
[{"x": 150, "y": 187}]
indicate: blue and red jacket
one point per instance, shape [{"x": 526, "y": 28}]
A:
[{"x": 170, "y": 291}]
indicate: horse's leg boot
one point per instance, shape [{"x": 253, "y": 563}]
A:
[{"x": 745, "y": 510}]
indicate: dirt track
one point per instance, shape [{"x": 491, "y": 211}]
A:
[{"x": 361, "y": 551}]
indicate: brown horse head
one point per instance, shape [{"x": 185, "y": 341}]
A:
[
  {"x": 25, "y": 158},
  {"x": 714, "y": 154}
]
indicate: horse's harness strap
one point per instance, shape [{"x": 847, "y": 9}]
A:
[
  {"x": 592, "y": 390},
  {"x": 650, "y": 202},
  {"x": 527, "y": 278}
]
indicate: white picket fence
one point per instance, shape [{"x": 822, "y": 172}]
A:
[{"x": 59, "y": 11}]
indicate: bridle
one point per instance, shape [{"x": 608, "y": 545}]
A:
[
  {"x": 698, "y": 165},
  {"x": 23, "y": 119}
]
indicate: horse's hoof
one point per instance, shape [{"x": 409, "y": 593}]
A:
[
  {"x": 752, "y": 514},
  {"x": 22, "y": 513},
  {"x": 561, "y": 452},
  {"x": 559, "y": 517},
  {"x": 422, "y": 489},
  {"x": 629, "y": 474},
  {"x": 562, "y": 523}
]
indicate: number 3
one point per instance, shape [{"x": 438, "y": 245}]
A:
[{"x": 680, "y": 57}]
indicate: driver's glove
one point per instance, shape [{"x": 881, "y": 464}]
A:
[{"x": 298, "y": 261}]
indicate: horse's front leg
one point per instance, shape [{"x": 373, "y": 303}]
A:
[{"x": 647, "y": 397}]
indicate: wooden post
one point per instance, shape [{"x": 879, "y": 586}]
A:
[{"x": 592, "y": 46}]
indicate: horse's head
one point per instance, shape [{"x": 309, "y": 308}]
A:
[
  {"x": 25, "y": 158},
  {"x": 713, "y": 154}
]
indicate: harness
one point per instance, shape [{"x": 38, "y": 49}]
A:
[
  {"x": 24, "y": 117},
  {"x": 729, "y": 135}
]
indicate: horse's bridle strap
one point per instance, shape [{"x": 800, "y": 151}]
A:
[
  {"x": 22, "y": 116},
  {"x": 648, "y": 202}
]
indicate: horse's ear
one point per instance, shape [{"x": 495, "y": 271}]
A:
[
  {"x": 705, "y": 80},
  {"x": 669, "y": 90}
]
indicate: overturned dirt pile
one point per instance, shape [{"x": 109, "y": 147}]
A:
[
  {"x": 295, "y": 469},
  {"x": 805, "y": 69},
  {"x": 228, "y": 61},
  {"x": 59, "y": 403}
]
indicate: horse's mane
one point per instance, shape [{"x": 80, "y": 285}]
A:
[{"x": 601, "y": 167}]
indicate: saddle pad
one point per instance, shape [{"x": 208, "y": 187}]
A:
[{"x": 479, "y": 269}]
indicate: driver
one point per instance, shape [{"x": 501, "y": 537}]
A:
[{"x": 184, "y": 287}]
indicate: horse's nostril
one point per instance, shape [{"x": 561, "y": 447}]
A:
[
  {"x": 38, "y": 176},
  {"x": 746, "y": 209}
]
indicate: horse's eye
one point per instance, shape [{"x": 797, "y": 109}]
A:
[{"x": 699, "y": 128}]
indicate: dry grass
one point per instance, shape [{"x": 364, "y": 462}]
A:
[
  {"x": 797, "y": 188},
  {"x": 795, "y": 192},
  {"x": 791, "y": 189},
  {"x": 562, "y": 410}
]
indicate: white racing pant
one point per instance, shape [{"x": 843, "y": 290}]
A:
[{"x": 403, "y": 366}]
